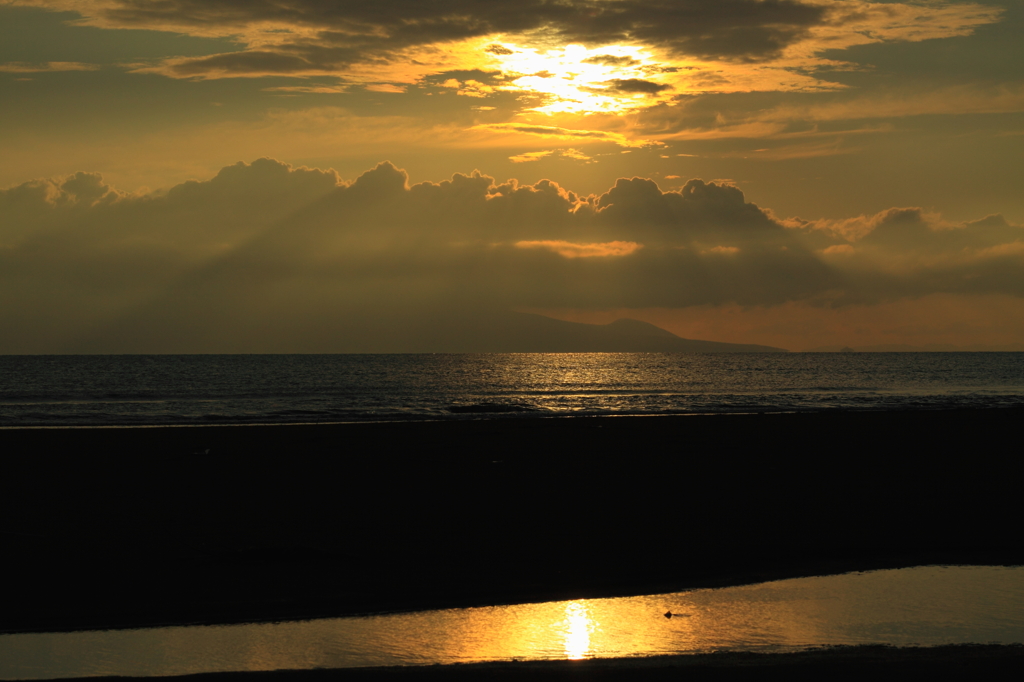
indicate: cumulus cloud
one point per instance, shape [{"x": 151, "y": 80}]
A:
[
  {"x": 75, "y": 252},
  {"x": 268, "y": 257},
  {"x": 906, "y": 252}
]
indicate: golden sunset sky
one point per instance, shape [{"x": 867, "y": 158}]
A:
[{"x": 311, "y": 175}]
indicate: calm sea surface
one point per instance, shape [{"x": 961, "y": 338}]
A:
[
  {"x": 202, "y": 389},
  {"x": 923, "y": 606}
]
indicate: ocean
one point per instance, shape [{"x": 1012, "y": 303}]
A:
[{"x": 97, "y": 390}]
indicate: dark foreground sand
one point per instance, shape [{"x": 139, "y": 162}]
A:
[
  {"x": 228, "y": 524},
  {"x": 973, "y": 662}
]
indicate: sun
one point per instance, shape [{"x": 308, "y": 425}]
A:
[{"x": 575, "y": 79}]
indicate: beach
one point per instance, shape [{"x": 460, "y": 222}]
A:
[
  {"x": 237, "y": 523},
  {"x": 222, "y": 524},
  {"x": 848, "y": 663}
]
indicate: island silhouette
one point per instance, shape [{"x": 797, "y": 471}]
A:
[{"x": 516, "y": 332}]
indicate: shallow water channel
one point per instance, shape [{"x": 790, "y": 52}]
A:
[{"x": 922, "y": 606}]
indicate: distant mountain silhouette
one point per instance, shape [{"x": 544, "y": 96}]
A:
[
  {"x": 926, "y": 348},
  {"x": 528, "y": 333}
]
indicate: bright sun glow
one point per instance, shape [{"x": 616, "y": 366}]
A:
[
  {"x": 577, "y": 630},
  {"x": 577, "y": 80}
]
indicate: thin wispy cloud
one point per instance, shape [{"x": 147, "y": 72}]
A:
[{"x": 46, "y": 67}]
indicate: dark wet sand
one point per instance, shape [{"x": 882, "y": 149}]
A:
[
  {"x": 229, "y": 524},
  {"x": 972, "y": 662}
]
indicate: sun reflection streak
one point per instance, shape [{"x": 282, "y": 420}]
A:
[{"x": 578, "y": 627}]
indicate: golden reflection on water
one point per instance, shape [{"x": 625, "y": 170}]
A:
[
  {"x": 922, "y": 606},
  {"x": 577, "y": 630}
]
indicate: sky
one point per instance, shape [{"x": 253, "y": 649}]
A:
[{"x": 317, "y": 176}]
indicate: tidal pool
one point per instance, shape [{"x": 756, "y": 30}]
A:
[{"x": 924, "y": 606}]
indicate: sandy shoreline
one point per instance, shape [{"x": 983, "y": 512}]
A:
[
  {"x": 281, "y": 522},
  {"x": 839, "y": 663}
]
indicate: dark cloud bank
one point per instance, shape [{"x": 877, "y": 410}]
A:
[
  {"x": 333, "y": 35},
  {"x": 269, "y": 258}
]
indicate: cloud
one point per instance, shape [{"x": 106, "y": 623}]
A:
[
  {"x": 722, "y": 250},
  {"x": 526, "y": 157},
  {"x": 43, "y": 67},
  {"x": 958, "y": 99},
  {"x": 838, "y": 249},
  {"x": 386, "y": 87},
  {"x": 563, "y": 133},
  {"x": 469, "y": 88},
  {"x": 612, "y": 60},
  {"x": 814, "y": 119},
  {"x": 748, "y": 28},
  {"x": 907, "y": 252},
  {"x": 277, "y": 258},
  {"x": 570, "y": 250},
  {"x": 312, "y": 89},
  {"x": 796, "y": 151},
  {"x": 574, "y": 154},
  {"x": 637, "y": 85},
  {"x": 692, "y": 47}
]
